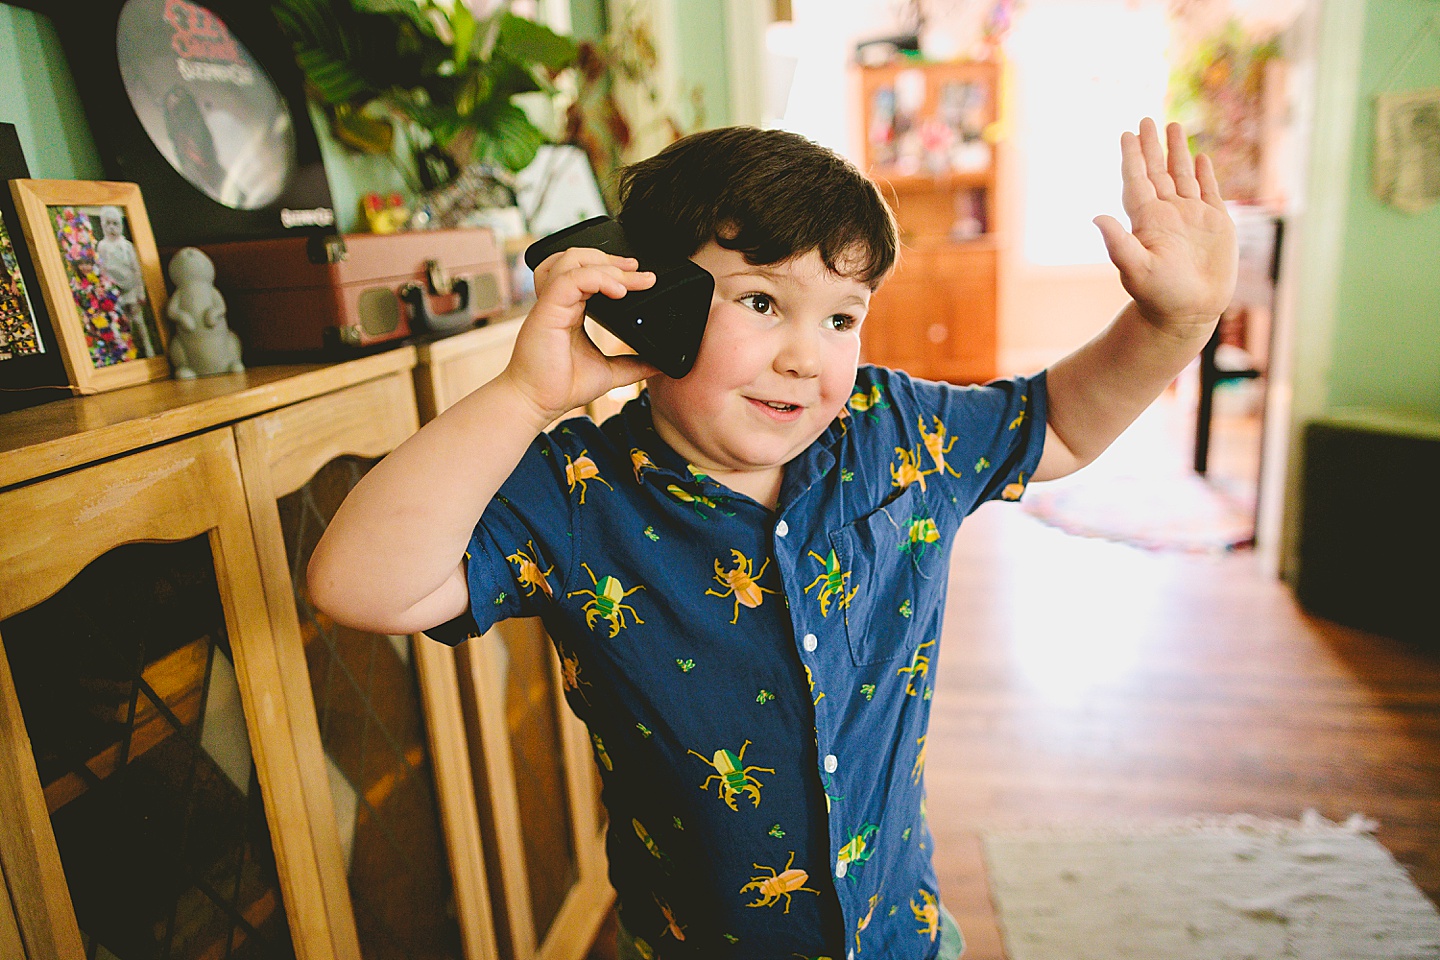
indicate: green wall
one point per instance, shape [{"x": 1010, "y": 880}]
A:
[
  {"x": 700, "y": 34},
  {"x": 40, "y": 99},
  {"x": 1386, "y": 348}
]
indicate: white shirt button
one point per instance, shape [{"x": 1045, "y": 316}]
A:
[
  {"x": 782, "y": 528},
  {"x": 831, "y": 762},
  {"x": 840, "y": 868},
  {"x": 809, "y": 643}
]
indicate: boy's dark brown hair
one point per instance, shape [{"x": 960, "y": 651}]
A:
[{"x": 769, "y": 194}]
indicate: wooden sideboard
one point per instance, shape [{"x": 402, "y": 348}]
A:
[
  {"x": 192, "y": 757},
  {"x": 929, "y": 138}
]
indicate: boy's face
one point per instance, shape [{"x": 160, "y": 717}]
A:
[{"x": 775, "y": 367}]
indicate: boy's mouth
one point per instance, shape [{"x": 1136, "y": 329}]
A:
[{"x": 777, "y": 408}]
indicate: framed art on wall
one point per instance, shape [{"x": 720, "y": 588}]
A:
[
  {"x": 31, "y": 369},
  {"x": 203, "y": 106},
  {"x": 100, "y": 274}
]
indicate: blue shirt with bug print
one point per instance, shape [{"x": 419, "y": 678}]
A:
[{"x": 757, "y": 682}]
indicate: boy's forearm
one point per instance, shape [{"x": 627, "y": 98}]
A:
[
  {"x": 388, "y": 558},
  {"x": 1099, "y": 390}
]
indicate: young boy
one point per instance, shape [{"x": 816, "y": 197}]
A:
[{"x": 744, "y": 571}]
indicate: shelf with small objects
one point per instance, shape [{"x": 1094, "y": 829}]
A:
[{"x": 928, "y": 138}]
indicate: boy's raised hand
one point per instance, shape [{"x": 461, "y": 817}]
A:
[
  {"x": 1178, "y": 260},
  {"x": 555, "y": 365}
]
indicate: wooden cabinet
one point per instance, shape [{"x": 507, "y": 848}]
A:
[
  {"x": 148, "y": 778},
  {"x": 534, "y": 779},
  {"x": 376, "y": 718},
  {"x": 195, "y": 762},
  {"x": 929, "y": 141}
]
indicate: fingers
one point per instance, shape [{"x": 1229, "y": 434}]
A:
[
  {"x": 568, "y": 284},
  {"x": 574, "y": 257},
  {"x": 1209, "y": 186},
  {"x": 1137, "y": 187},
  {"x": 1180, "y": 167},
  {"x": 627, "y": 368},
  {"x": 1127, "y": 253},
  {"x": 1155, "y": 167}
]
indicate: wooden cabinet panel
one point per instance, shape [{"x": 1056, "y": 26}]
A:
[
  {"x": 533, "y": 777},
  {"x": 191, "y": 714},
  {"x": 360, "y": 702}
]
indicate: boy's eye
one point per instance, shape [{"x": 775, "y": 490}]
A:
[
  {"x": 759, "y": 302},
  {"x": 842, "y": 322}
]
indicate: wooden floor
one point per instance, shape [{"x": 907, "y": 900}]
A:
[{"x": 1081, "y": 680}]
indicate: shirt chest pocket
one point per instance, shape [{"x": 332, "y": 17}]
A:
[{"x": 886, "y": 563}]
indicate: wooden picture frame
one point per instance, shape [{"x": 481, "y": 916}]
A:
[
  {"x": 100, "y": 273},
  {"x": 31, "y": 369}
]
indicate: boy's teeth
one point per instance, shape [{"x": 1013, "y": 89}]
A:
[{"x": 780, "y": 406}]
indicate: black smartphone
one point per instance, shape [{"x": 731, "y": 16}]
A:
[{"x": 665, "y": 323}]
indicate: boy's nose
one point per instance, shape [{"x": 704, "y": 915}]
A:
[{"x": 799, "y": 354}]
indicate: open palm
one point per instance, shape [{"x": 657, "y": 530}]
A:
[{"x": 1178, "y": 260}]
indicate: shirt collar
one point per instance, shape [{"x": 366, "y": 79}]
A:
[{"x": 665, "y": 465}]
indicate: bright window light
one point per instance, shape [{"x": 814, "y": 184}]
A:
[{"x": 1084, "y": 71}]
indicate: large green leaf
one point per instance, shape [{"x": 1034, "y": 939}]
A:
[
  {"x": 525, "y": 41},
  {"x": 508, "y": 138},
  {"x": 398, "y": 9}
]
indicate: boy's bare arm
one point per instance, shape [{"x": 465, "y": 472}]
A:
[
  {"x": 391, "y": 559},
  {"x": 1178, "y": 263}
]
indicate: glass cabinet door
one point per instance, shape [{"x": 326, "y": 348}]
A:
[
  {"x": 374, "y": 787},
  {"x": 127, "y": 683},
  {"x": 148, "y": 799}
]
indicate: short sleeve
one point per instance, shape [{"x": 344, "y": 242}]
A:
[
  {"x": 522, "y": 549},
  {"x": 963, "y": 445}
]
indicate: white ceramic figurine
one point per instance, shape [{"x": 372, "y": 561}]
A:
[{"x": 202, "y": 344}]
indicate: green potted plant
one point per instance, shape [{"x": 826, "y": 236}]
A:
[{"x": 448, "y": 77}]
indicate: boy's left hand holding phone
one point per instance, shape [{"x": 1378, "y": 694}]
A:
[{"x": 555, "y": 366}]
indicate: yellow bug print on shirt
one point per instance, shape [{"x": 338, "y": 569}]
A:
[
  {"x": 919, "y": 533},
  {"x": 780, "y": 883},
  {"x": 531, "y": 576},
  {"x": 644, "y": 836},
  {"x": 908, "y": 471},
  {"x": 937, "y": 447},
  {"x": 857, "y": 851},
  {"x": 1013, "y": 491},
  {"x": 570, "y": 674},
  {"x": 741, "y": 582},
  {"x": 811, "y": 680},
  {"x": 606, "y": 604},
  {"x": 734, "y": 779},
  {"x": 600, "y": 753},
  {"x": 832, "y": 581},
  {"x": 869, "y": 402},
  {"x": 919, "y": 767},
  {"x": 676, "y": 931},
  {"x": 698, "y": 502},
  {"x": 919, "y": 666},
  {"x": 579, "y": 470},
  {"x": 1020, "y": 418},
  {"x": 864, "y": 921},
  {"x": 640, "y": 460},
  {"x": 928, "y": 913}
]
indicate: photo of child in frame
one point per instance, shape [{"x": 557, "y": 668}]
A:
[{"x": 102, "y": 268}]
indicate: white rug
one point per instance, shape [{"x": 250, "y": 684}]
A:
[{"x": 1232, "y": 888}]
